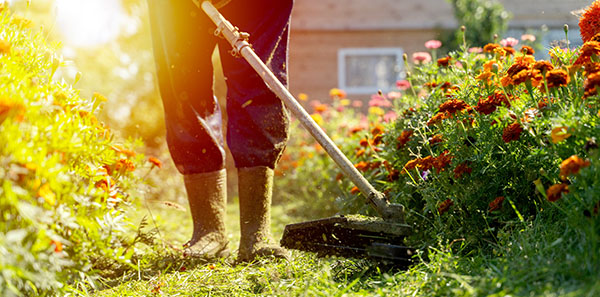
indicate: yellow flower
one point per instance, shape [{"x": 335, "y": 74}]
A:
[
  {"x": 46, "y": 193},
  {"x": 559, "y": 134},
  {"x": 303, "y": 96},
  {"x": 376, "y": 110},
  {"x": 345, "y": 102},
  {"x": 335, "y": 92},
  {"x": 317, "y": 118}
]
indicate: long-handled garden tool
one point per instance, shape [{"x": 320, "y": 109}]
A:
[{"x": 352, "y": 236}]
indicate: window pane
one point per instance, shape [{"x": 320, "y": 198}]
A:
[{"x": 371, "y": 71}]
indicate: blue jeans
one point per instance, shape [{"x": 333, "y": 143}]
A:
[{"x": 258, "y": 123}]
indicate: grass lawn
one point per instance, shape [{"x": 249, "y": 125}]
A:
[{"x": 538, "y": 260}]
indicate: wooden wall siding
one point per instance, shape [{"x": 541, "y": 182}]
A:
[
  {"x": 421, "y": 14},
  {"x": 534, "y": 13},
  {"x": 313, "y": 55},
  {"x": 371, "y": 14}
]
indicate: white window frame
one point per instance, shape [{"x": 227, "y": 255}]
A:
[{"x": 344, "y": 52}]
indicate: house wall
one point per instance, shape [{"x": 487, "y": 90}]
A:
[{"x": 321, "y": 27}]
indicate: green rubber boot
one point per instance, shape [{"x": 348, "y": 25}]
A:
[
  {"x": 207, "y": 195},
  {"x": 255, "y": 191}
]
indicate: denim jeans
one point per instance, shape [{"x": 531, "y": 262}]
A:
[{"x": 258, "y": 123}]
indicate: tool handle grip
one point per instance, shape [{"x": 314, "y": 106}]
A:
[{"x": 239, "y": 43}]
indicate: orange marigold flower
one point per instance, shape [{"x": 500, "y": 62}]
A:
[
  {"x": 58, "y": 247},
  {"x": 4, "y": 47},
  {"x": 589, "y": 22},
  {"x": 378, "y": 139},
  {"x": 555, "y": 191},
  {"x": 124, "y": 164},
  {"x": 155, "y": 162},
  {"x": 426, "y": 163},
  {"x": 362, "y": 166},
  {"x": 461, "y": 169},
  {"x": 572, "y": 165},
  {"x": 542, "y": 104},
  {"x": 437, "y": 118},
  {"x": 557, "y": 78},
  {"x": 591, "y": 84},
  {"x": 320, "y": 108},
  {"x": 123, "y": 151},
  {"x": 559, "y": 134},
  {"x": 441, "y": 161},
  {"x": 435, "y": 139},
  {"x": 412, "y": 164},
  {"x": 587, "y": 51},
  {"x": 512, "y": 132},
  {"x": 445, "y": 206},
  {"x": 444, "y": 62},
  {"x": 486, "y": 106},
  {"x": 543, "y": 66},
  {"x": 404, "y": 138},
  {"x": 452, "y": 106},
  {"x": 496, "y": 204},
  {"x": 527, "y": 50},
  {"x": 364, "y": 142},
  {"x": 360, "y": 153},
  {"x": 356, "y": 129},
  {"x": 509, "y": 50},
  {"x": 355, "y": 190},
  {"x": 378, "y": 129},
  {"x": 490, "y": 47},
  {"x": 591, "y": 68}
]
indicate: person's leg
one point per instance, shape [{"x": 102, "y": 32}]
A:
[
  {"x": 183, "y": 47},
  {"x": 258, "y": 122}
]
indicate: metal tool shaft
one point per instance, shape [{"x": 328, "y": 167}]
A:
[{"x": 242, "y": 47}]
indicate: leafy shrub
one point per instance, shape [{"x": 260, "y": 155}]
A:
[
  {"x": 483, "y": 142},
  {"x": 64, "y": 177}
]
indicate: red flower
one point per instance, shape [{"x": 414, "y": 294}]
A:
[
  {"x": 496, "y": 204},
  {"x": 444, "y": 62},
  {"x": 557, "y": 78},
  {"x": 452, "y": 106},
  {"x": 355, "y": 190},
  {"x": 445, "y": 206},
  {"x": 155, "y": 162},
  {"x": 442, "y": 161},
  {"x": 435, "y": 139},
  {"x": 512, "y": 132}
]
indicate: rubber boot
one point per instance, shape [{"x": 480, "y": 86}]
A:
[
  {"x": 255, "y": 191},
  {"x": 207, "y": 195}
]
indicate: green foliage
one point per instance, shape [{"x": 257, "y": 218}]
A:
[
  {"x": 481, "y": 18},
  {"x": 63, "y": 177}
]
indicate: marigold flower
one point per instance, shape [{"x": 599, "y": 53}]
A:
[
  {"x": 452, "y": 106},
  {"x": 444, "y": 62},
  {"x": 527, "y": 50},
  {"x": 587, "y": 51},
  {"x": 437, "y": 118},
  {"x": 591, "y": 68},
  {"x": 496, "y": 204},
  {"x": 433, "y": 44},
  {"x": 320, "y": 108},
  {"x": 337, "y": 93},
  {"x": 362, "y": 166},
  {"x": 441, "y": 161},
  {"x": 445, "y": 206},
  {"x": 509, "y": 50},
  {"x": 303, "y": 96},
  {"x": 435, "y": 139},
  {"x": 572, "y": 165},
  {"x": 125, "y": 164},
  {"x": 378, "y": 129},
  {"x": 462, "y": 169},
  {"x": 355, "y": 190},
  {"x": 491, "y": 47},
  {"x": 412, "y": 164},
  {"x": 512, "y": 132},
  {"x": 155, "y": 162},
  {"x": 126, "y": 152},
  {"x": 543, "y": 66},
  {"x": 360, "y": 153},
  {"x": 559, "y": 134},
  {"x": 591, "y": 84},
  {"x": 4, "y": 47},
  {"x": 404, "y": 138},
  {"x": 557, "y": 78},
  {"x": 555, "y": 192},
  {"x": 363, "y": 142},
  {"x": 589, "y": 22},
  {"x": 426, "y": 163},
  {"x": 58, "y": 247},
  {"x": 486, "y": 106}
]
